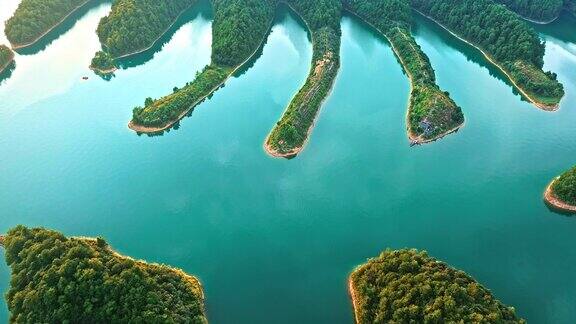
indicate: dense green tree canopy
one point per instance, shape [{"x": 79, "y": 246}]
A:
[
  {"x": 408, "y": 286},
  {"x": 565, "y": 187},
  {"x": 69, "y": 280},
  {"x": 239, "y": 28},
  {"x": 6, "y": 56},
  {"x": 538, "y": 10},
  {"x": 134, "y": 25},
  {"x": 33, "y": 18}
]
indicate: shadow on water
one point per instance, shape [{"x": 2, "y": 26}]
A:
[
  {"x": 280, "y": 17},
  {"x": 7, "y": 73},
  {"x": 61, "y": 29},
  {"x": 472, "y": 54},
  {"x": 563, "y": 28},
  {"x": 202, "y": 9}
]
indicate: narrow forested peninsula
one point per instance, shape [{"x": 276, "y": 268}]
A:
[
  {"x": 504, "y": 39},
  {"x": 33, "y": 19},
  {"x": 431, "y": 113},
  {"x": 322, "y": 17},
  {"x": 6, "y": 57},
  {"x": 135, "y": 25},
  {"x": 239, "y": 29},
  {"x": 408, "y": 286},
  {"x": 56, "y": 279},
  {"x": 561, "y": 193}
]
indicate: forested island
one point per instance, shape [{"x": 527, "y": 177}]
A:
[
  {"x": 561, "y": 192},
  {"x": 504, "y": 39},
  {"x": 103, "y": 63},
  {"x": 408, "y": 286},
  {"x": 6, "y": 57},
  {"x": 432, "y": 114},
  {"x": 33, "y": 19},
  {"x": 56, "y": 279},
  {"x": 239, "y": 29},
  {"x": 322, "y": 18}
]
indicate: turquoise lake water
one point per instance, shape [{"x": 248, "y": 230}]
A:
[{"x": 274, "y": 240}]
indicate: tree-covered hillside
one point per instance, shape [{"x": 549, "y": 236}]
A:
[
  {"x": 6, "y": 56},
  {"x": 134, "y": 25},
  {"x": 407, "y": 286},
  {"x": 502, "y": 35},
  {"x": 537, "y": 10},
  {"x": 565, "y": 187},
  {"x": 33, "y": 18},
  {"x": 56, "y": 279},
  {"x": 239, "y": 27}
]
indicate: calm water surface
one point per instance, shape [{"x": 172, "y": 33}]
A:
[{"x": 274, "y": 240}]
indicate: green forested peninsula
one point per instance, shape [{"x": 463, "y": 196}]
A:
[
  {"x": 6, "y": 57},
  {"x": 239, "y": 28},
  {"x": 323, "y": 20},
  {"x": 407, "y": 286},
  {"x": 500, "y": 34},
  {"x": 134, "y": 25},
  {"x": 34, "y": 18},
  {"x": 71, "y": 280},
  {"x": 432, "y": 113}
]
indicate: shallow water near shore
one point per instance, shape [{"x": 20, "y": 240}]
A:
[{"x": 273, "y": 240}]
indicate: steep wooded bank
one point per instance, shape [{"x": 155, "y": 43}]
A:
[
  {"x": 6, "y": 57},
  {"x": 542, "y": 11},
  {"x": 507, "y": 41},
  {"x": 135, "y": 25},
  {"x": 56, "y": 279},
  {"x": 431, "y": 112},
  {"x": 239, "y": 29},
  {"x": 322, "y": 18},
  {"x": 33, "y": 19},
  {"x": 407, "y": 286}
]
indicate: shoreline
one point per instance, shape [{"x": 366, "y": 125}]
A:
[
  {"x": 155, "y": 130},
  {"x": 99, "y": 71},
  {"x": 297, "y": 150},
  {"x": 555, "y": 202},
  {"x": 353, "y": 297},
  {"x": 159, "y": 37},
  {"x": 413, "y": 138},
  {"x": 2, "y": 237},
  {"x": 542, "y": 106},
  {"x": 10, "y": 61},
  {"x": 21, "y": 46}
]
